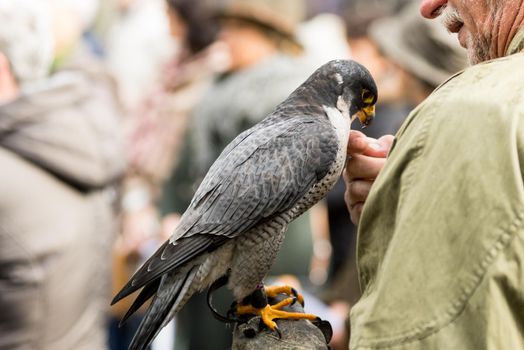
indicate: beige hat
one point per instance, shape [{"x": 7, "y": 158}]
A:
[
  {"x": 422, "y": 47},
  {"x": 279, "y": 17}
]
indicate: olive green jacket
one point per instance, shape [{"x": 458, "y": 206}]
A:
[{"x": 441, "y": 240}]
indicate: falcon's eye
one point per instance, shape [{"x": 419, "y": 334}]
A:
[{"x": 367, "y": 96}]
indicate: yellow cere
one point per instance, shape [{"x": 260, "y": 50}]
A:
[{"x": 370, "y": 110}]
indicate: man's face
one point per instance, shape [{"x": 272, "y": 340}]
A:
[
  {"x": 473, "y": 21},
  {"x": 246, "y": 43}
]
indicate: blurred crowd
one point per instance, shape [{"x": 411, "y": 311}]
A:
[{"x": 111, "y": 112}]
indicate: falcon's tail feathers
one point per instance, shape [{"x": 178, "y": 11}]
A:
[
  {"x": 167, "y": 301},
  {"x": 145, "y": 294}
]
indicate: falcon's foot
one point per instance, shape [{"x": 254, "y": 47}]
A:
[
  {"x": 270, "y": 313},
  {"x": 257, "y": 304}
]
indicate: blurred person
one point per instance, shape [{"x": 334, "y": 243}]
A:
[
  {"x": 60, "y": 159},
  {"x": 440, "y": 244},
  {"x": 138, "y": 44},
  {"x": 265, "y": 67},
  {"x": 157, "y": 128}
]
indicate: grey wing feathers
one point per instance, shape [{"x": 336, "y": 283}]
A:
[
  {"x": 275, "y": 167},
  {"x": 263, "y": 172}
]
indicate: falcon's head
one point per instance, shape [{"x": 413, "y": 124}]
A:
[
  {"x": 356, "y": 89},
  {"x": 342, "y": 84}
]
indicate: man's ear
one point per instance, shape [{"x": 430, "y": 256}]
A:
[{"x": 8, "y": 86}]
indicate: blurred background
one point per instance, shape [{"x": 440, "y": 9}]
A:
[{"x": 112, "y": 111}]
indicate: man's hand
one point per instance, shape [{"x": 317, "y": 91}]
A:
[{"x": 366, "y": 158}]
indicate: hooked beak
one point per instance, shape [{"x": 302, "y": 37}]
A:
[{"x": 365, "y": 115}]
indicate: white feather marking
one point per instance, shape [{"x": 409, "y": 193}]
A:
[
  {"x": 339, "y": 79},
  {"x": 341, "y": 121},
  {"x": 343, "y": 107}
]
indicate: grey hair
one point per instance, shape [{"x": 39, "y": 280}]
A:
[{"x": 26, "y": 38}]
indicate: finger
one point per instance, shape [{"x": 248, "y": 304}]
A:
[
  {"x": 386, "y": 141},
  {"x": 379, "y": 148},
  {"x": 364, "y": 167},
  {"x": 356, "y": 212},
  {"x": 357, "y": 143},
  {"x": 355, "y": 196},
  {"x": 358, "y": 191}
]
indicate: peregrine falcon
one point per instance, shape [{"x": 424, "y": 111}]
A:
[{"x": 264, "y": 179}]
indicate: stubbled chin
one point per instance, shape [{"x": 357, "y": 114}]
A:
[
  {"x": 473, "y": 57},
  {"x": 466, "y": 42}
]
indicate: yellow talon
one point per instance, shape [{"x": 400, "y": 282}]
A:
[
  {"x": 273, "y": 291},
  {"x": 283, "y": 304}
]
